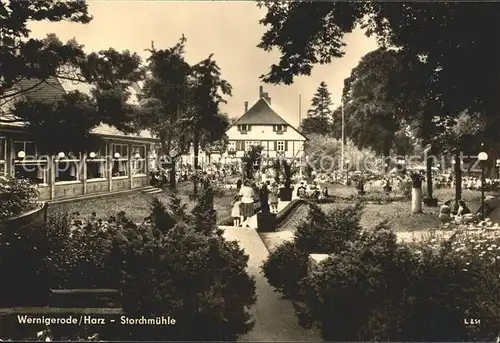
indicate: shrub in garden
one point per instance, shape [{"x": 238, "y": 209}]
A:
[
  {"x": 380, "y": 290},
  {"x": 320, "y": 233},
  {"x": 204, "y": 215},
  {"x": 198, "y": 279},
  {"x": 79, "y": 250},
  {"x": 21, "y": 248},
  {"x": 187, "y": 272},
  {"x": 285, "y": 267},
  {"x": 325, "y": 233},
  {"x": 16, "y": 196},
  {"x": 164, "y": 218}
]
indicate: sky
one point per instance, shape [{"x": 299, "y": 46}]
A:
[{"x": 230, "y": 30}]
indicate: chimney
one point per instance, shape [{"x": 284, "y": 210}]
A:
[
  {"x": 266, "y": 96},
  {"x": 261, "y": 91},
  {"x": 246, "y": 106}
]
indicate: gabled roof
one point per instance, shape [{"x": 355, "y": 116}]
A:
[
  {"x": 53, "y": 89},
  {"x": 261, "y": 113},
  {"x": 36, "y": 90}
]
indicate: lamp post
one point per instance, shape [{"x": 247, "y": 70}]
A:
[
  {"x": 347, "y": 172},
  {"x": 483, "y": 157}
]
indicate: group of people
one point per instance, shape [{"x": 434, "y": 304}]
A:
[
  {"x": 446, "y": 214},
  {"x": 249, "y": 194}
]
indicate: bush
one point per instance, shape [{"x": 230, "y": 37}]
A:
[
  {"x": 356, "y": 296},
  {"x": 285, "y": 267},
  {"x": 22, "y": 254},
  {"x": 325, "y": 233},
  {"x": 320, "y": 233},
  {"x": 16, "y": 196},
  {"x": 197, "y": 279},
  {"x": 381, "y": 198},
  {"x": 80, "y": 250},
  {"x": 187, "y": 271}
]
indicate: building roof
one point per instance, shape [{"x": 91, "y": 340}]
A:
[
  {"x": 36, "y": 90},
  {"x": 261, "y": 113},
  {"x": 53, "y": 89}
]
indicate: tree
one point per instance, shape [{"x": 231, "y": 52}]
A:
[
  {"x": 447, "y": 38},
  {"x": 29, "y": 63},
  {"x": 165, "y": 99},
  {"x": 458, "y": 135},
  {"x": 324, "y": 154},
  {"x": 70, "y": 119},
  {"x": 207, "y": 93},
  {"x": 204, "y": 216},
  {"x": 376, "y": 95},
  {"x": 251, "y": 161},
  {"x": 24, "y": 57},
  {"x": 320, "y": 114}
]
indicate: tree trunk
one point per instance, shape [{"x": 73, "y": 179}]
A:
[
  {"x": 458, "y": 178},
  {"x": 166, "y": 151},
  {"x": 196, "y": 151},
  {"x": 428, "y": 167},
  {"x": 172, "y": 178}
]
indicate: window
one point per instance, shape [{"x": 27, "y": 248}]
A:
[
  {"x": 231, "y": 147},
  {"x": 279, "y": 128},
  {"x": 138, "y": 160},
  {"x": 280, "y": 146},
  {"x": 3, "y": 156},
  {"x": 97, "y": 165},
  {"x": 153, "y": 158},
  {"x": 120, "y": 160},
  {"x": 240, "y": 145},
  {"x": 28, "y": 165},
  {"x": 244, "y": 127},
  {"x": 67, "y": 167},
  {"x": 249, "y": 144}
]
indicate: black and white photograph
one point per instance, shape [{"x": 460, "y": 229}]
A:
[{"x": 251, "y": 171}]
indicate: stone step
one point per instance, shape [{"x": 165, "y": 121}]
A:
[
  {"x": 155, "y": 191},
  {"x": 152, "y": 190}
]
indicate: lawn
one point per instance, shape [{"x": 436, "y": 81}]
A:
[
  {"x": 397, "y": 214},
  {"x": 137, "y": 205}
]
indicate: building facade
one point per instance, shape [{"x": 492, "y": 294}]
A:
[
  {"x": 260, "y": 125},
  {"x": 121, "y": 162}
]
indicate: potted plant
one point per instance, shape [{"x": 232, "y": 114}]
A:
[
  {"x": 19, "y": 204},
  {"x": 286, "y": 191}
]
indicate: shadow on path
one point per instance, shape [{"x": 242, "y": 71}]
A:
[{"x": 275, "y": 318}]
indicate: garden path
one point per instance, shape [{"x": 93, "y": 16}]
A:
[{"x": 275, "y": 318}]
